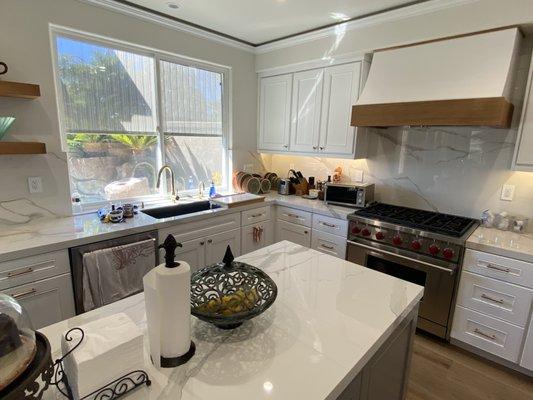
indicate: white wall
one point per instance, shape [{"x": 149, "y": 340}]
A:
[
  {"x": 471, "y": 16},
  {"x": 25, "y": 47}
]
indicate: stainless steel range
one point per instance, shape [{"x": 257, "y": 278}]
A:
[{"x": 420, "y": 246}]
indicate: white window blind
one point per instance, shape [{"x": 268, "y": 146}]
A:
[
  {"x": 105, "y": 90},
  {"x": 191, "y": 99}
]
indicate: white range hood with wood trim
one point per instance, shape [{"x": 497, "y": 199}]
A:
[{"x": 459, "y": 81}]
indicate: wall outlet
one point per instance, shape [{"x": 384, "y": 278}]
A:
[
  {"x": 35, "y": 184},
  {"x": 247, "y": 168},
  {"x": 507, "y": 192},
  {"x": 357, "y": 175}
]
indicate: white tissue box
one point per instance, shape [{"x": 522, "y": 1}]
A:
[{"x": 112, "y": 347}]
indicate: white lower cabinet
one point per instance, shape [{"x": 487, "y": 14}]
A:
[
  {"x": 486, "y": 333},
  {"x": 329, "y": 244},
  {"x": 527, "y": 355},
  {"x": 192, "y": 252},
  {"x": 298, "y": 234},
  {"x": 47, "y": 301},
  {"x": 254, "y": 237},
  {"x": 216, "y": 245}
]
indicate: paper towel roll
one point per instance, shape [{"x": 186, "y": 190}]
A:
[{"x": 168, "y": 310}]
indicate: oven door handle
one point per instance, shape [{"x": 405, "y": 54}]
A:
[{"x": 390, "y": 253}]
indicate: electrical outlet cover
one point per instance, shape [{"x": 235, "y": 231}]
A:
[
  {"x": 507, "y": 192},
  {"x": 35, "y": 184},
  {"x": 357, "y": 175}
]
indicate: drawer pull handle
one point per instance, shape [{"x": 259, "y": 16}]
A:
[
  {"x": 305, "y": 232},
  {"x": 257, "y": 215},
  {"x": 328, "y": 225},
  {"x": 293, "y": 216},
  {"x": 23, "y": 294},
  {"x": 327, "y": 247},
  {"x": 486, "y": 335},
  {"x": 486, "y": 297},
  {"x": 20, "y": 272},
  {"x": 498, "y": 268}
]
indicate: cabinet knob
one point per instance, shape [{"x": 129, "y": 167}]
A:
[
  {"x": 286, "y": 146},
  {"x": 209, "y": 241},
  {"x": 314, "y": 147},
  {"x": 321, "y": 148},
  {"x": 202, "y": 243}
]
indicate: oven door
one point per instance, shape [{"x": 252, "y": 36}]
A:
[{"x": 439, "y": 282}]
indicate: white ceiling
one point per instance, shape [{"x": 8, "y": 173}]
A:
[{"x": 259, "y": 21}]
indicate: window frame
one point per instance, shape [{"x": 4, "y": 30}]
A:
[{"x": 158, "y": 55}]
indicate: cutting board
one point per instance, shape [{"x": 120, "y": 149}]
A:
[{"x": 235, "y": 200}]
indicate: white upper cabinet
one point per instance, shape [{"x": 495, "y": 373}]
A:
[
  {"x": 306, "y": 105},
  {"x": 275, "y": 112},
  {"x": 317, "y": 119},
  {"x": 523, "y": 156},
  {"x": 341, "y": 90}
]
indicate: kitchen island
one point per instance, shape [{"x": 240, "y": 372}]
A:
[{"x": 337, "y": 330}]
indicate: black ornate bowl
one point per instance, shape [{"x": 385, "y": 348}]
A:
[{"x": 228, "y": 293}]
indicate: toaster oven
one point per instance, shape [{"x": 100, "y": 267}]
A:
[{"x": 348, "y": 195}]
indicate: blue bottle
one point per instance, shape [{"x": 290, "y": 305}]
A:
[{"x": 212, "y": 190}]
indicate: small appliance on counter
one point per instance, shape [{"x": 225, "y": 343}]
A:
[
  {"x": 284, "y": 186},
  {"x": 348, "y": 195}
]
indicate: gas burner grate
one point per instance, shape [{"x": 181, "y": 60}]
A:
[{"x": 446, "y": 224}]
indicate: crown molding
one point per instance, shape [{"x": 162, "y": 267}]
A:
[
  {"x": 380, "y": 18},
  {"x": 168, "y": 23},
  {"x": 423, "y": 8}
]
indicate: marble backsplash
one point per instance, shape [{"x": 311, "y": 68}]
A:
[{"x": 448, "y": 169}]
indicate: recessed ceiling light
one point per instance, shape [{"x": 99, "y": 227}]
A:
[
  {"x": 172, "y": 5},
  {"x": 339, "y": 16}
]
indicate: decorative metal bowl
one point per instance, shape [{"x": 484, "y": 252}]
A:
[{"x": 228, "y": 293}]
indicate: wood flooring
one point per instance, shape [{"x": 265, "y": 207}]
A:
[{"x": 441, "y": 371}]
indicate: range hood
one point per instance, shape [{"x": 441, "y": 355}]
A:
[{"x": 462, "y": 81}]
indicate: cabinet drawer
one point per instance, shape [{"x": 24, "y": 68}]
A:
[
  {"x": 256, "y": 215},
  {"x": 495, "y": 298},
  {"x": 329, "y": 244},
  {"x": 293, "y": 233},
  {"x": 486, "y": 333},
  {"x": 294, "y": 216},
  {"x": 185, "y": 231},
  {"x": 503, "y": 268},
  {"x": 331, "y": 225},
  {"x": 31, "y": 269},
  {"x": 47, "y": 301}
]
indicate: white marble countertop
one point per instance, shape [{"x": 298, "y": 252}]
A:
[
  {"x": 328, "y": 320},
  {"x": 503, "y": 243},
  {"x": 50, "y": 234}
]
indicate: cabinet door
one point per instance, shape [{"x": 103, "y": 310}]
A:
[
  {"x": 524, "y": 144},
  {"x": 341, "y": 90},
  {"x": 216, "y": 245},
  {"x": 293, "y": 233},
  {"x": 47, "y": 301},
  {"x": 527, "y": 356},
  {"x": 275, "y": 112},
  {"x": 306, "y": 107},
  {"x": 329, "y": 244},
  {"x": 192, "y": 252},
  {"x": 251, "y": 242}
]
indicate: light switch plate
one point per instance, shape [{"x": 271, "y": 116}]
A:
[
  {"x": 357, "y": 175},
  {"x": 507, "y": 192},
  {"x": 35, "y": 184}
]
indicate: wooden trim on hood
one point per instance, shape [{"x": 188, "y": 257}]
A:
[{"x": 491, "y": 111}]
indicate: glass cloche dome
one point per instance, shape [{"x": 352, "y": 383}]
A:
[{"x": 17, "y": 340}]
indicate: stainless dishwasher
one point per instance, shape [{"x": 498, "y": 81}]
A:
[{"x": 77, "y": 253}]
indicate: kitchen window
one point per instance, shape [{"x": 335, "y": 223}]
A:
[{"x": 125, "y": 112}]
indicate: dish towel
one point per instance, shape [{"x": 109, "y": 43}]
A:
[
  {"x": 112, "y": 347},
  {"x": 115, "y": 273}
]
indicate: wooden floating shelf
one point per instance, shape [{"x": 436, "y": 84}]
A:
[
  {"x": 19, "y": 90},
  {"x": 22, "y": 148}
]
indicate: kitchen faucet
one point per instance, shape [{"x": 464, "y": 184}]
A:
[{"x": 173, "y": 192}]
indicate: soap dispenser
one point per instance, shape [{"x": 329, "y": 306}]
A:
[{"x": 167, "y": 297}]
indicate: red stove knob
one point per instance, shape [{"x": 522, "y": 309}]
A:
[
  {"x": 448, "y": 253},
  {"x": 380, "y": 235},
  {"x": 434, "y": 249},
  {"x": 397, "y": 240},
  {"x": 365, "y": 232},
  {"x": 416, "y": 245},
  {"x": 356, "y": 230}
]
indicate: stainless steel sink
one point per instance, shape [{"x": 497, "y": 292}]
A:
[{"x": 180, "y": 209}]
